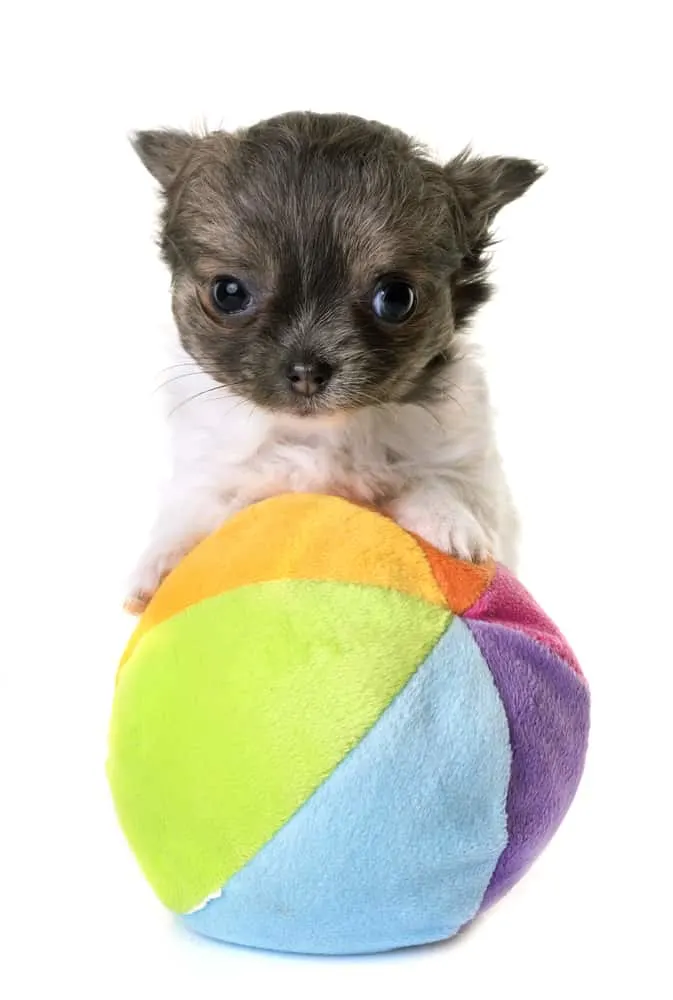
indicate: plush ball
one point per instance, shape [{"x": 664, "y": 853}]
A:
[{"x": 328, "y": 737}]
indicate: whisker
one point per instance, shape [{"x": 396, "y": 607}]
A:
[
  {"x": 239, "y": 403},
  {"x": 457, "y": 402},
  {"x": 175, "y": 379},
  {"x": 427, "y": 410},
  {"x": 181, "y": 364},
  {"x": 190, "y": 399},
  {"x": 454, "y": 385},
  {"x": 460, "y": 388},
  {"x": 358, "y": 395}
]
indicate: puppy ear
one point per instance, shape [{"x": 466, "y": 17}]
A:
[
  {"x": 480, "y": 187},
  {"x": 484, "y": 185},
  {"x": 164, "y": 152}
]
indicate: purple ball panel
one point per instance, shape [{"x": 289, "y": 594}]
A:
[
  {"x": 547, "y": 706},
  {"x": 507, "y": 602}
]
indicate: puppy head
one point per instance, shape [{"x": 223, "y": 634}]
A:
[{"x": 324, "y": 262}]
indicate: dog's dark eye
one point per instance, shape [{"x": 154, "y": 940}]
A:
[
  {"x": 229, "y": 295},
  {"x": 394, "y": 300}
]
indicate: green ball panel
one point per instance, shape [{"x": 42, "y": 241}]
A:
[{"x": 228, "y": 716}]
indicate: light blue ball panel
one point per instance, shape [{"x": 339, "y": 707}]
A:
[{"x": 398, "y": 845}]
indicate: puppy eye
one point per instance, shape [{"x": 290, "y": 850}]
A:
[
  {"x": 394, "y": 300},
  {"x": 229, "y": 295}
]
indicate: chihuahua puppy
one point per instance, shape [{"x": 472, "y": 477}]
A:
[{"x": 324, "y": 273}]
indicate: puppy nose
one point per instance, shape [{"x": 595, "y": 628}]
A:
[{"x": 308, "y": 379}]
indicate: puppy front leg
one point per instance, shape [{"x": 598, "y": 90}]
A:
[
  {"x": 190, "y": 512},
  {"x": 443, "y": 516}
]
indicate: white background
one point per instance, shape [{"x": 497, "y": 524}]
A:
[{"x": 578, "y": 346}]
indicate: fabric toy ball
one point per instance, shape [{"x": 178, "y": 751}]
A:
[{"x": 328, "y": 737}]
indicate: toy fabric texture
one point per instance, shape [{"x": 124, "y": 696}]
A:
[{"x": 329, "y": 737}]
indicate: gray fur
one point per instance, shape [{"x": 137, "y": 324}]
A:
[{"x": 309, "y": 211}]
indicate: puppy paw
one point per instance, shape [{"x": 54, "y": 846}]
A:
[
  {"x": 452, "y": 529},
  {"x": 148, "y": 574}
]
